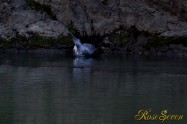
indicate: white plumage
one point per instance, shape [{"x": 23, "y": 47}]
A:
[{"x": 84, "y": 49}]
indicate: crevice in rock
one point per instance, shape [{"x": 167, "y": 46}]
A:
[{"x": 41, "y": 7}]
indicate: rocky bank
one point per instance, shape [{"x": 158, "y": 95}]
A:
[{"x": 133, "y": 26}]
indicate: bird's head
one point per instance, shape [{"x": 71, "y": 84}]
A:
[{"x": 77, "y": 41}]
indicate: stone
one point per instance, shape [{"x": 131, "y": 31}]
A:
[
  {"x": 107, "y": 42},
  {"x": 6, "y": 33},
  {"x": 106, "y": 16},
  {"x": 49, "y": 28},
  {"x": 53, "y": 18}
]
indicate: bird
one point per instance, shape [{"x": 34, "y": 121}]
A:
[{"x": 84, "y": 49}]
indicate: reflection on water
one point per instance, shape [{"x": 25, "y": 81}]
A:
[
  {"x": 109, "y": 90},
  {"x": 82, "y": 67}
]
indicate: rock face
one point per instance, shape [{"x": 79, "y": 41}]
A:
[
  {"x": 166, "y": 17},
  {"x": 18, "y": 18},
  {"x": 53, "y": 18}
]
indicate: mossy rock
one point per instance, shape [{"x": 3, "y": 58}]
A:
[
  {"x": 124, "y": 37},
  {"x": 73, "y": 30},
  {"x": 120, "y": 39},
  {"x": 8, "y": 44},
  {"x": 65, "y": 42},
  {"x": 157, "y": 42},
  {"x": 37, "y": 41}
]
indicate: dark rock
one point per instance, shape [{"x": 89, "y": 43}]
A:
[
  {"x": 121, "y": 21},
  {"x": 88, "y": 16}
]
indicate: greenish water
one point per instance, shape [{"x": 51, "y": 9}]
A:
[{"x": 41, "y": 89}]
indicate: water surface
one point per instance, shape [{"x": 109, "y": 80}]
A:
[{"x": 46, "y": 89}]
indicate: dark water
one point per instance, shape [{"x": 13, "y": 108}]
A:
[{"x": 40, "y": 89}]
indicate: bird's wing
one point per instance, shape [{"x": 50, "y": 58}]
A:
[{"x": 88, "y": 48}]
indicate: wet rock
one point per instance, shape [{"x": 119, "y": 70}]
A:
[
  {"x": 107, "y": 42},
  {"x": 18, "y": 3},
  {"x": 164, "y": 49},
  {"x": 105, "y": 16},
  {"x": 100, "y": 17},
  {"x": 111, "y": 18},
  {"x": 48, "y": 28},
  {"x": 6, "y": 33},
  {"x": 24, "y": 20}
]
